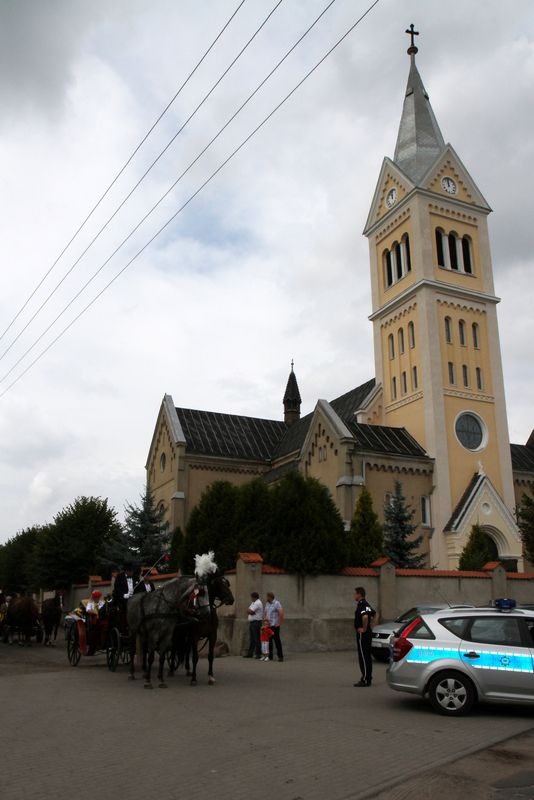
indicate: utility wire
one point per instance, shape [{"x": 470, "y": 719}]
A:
[
  {"x": 119, "y": 173},
  {"x": 155, "y": 206},
  {"x": 141, "y": 179},
  {"x": 191, "y": 198}
]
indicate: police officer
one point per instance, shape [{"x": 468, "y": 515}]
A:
[{"x": 362, "y": 624}]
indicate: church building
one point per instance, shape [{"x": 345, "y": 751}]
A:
[{"x": 434, "y": 415}]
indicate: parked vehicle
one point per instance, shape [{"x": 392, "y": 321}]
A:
[
  {"x": 382, "y": 635},
  {"x": 456, "y": 657}
]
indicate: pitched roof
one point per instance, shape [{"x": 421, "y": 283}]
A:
[
  {"x": 235, "y": 436},
  {"x": 229, "y": 435},
  {"x": 347, "y": 404},
  {"x": 522, "y": 457},
  {"x": 383, "y": 439}
]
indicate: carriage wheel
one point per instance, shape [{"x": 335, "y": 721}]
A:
[
  {"x": 113, "y": 649},
  {"x": 73, "y": 646}
]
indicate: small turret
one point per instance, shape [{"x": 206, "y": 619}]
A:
[{"x": 292, "y": 399}]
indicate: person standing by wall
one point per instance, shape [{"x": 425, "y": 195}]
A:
[
  {"x": 255, "y": 616},
  {"x": 362, "y": 624},
  {"x": 274, "y": 614}
]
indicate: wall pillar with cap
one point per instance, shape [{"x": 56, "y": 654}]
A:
[{"x": 248, "y": 580}]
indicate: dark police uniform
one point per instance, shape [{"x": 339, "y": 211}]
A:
[{"x": 363, "y": 641}]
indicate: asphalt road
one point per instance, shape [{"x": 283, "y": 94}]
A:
[{"x": 291, "y": 731}]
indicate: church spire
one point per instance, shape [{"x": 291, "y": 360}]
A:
[
  {"x": 292, "y": 399},
  {"x": 419, "y": 141}
]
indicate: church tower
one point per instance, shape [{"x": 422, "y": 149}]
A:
[{"x": 436, "y": 339}]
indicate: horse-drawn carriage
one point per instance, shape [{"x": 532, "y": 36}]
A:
[{"x": 106, "y": 632}]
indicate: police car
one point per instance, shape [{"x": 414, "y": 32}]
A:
[{"x": 456, "y": 657}]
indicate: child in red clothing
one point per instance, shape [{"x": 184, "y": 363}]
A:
[{"x": 265, "y": 635}]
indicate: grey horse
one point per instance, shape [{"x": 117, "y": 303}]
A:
[{"x": 154, "y": 616}]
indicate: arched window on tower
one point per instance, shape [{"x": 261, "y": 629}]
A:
[
  {"x": 391, "y": 346},
  {"x": 401, "y": 340},
  {"x": 414, "y": 378},
  {"x": 398, "y": 259},
  {"x": 411, "y": 334},
  {"x": 474, "y": 329},
  {"x": 461, "y": 332},
  {"x": 453, "y": 254},
  {"x": 394, "y": 388},
  {"x": 450, "y": 367},
  {"x": 448, "y": 330},
  {"x": 439, "y": 248},
  {"x": 465, "y": 375},
  {"x": 388, "y": 270},
  {"x": 404, "y": 383},
  {"x": 480, "y": 383},
  {"x": 407, "y": 256},
  {"x": 466, "y": 254}
]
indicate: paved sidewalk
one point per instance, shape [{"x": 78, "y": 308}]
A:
[{"x": 293, "y": 731}]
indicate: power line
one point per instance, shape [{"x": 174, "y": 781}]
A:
[
  {"x": 119, "y": 173},
  {"x": 141, "y": 179},
  {"x": 190, "y": 199},
  {"x": 155, "y": 206}
]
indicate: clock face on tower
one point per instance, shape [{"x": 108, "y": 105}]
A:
[
  {"x": 449, "y": 185},
  {"x": 391, "y": 197}
]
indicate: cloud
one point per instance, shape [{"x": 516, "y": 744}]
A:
[{"x": 268, "y": 263}]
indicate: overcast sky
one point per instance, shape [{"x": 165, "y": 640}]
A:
[{"x": 267, "y": 264}]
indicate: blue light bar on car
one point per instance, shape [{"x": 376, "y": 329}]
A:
[{"x": 504, "y": 604}]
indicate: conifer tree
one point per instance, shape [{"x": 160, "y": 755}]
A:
[
  {"x": 307, "y": 533},
  {"x": 366, "y": 539},
  {"x": 477, "y": 551},
  {"x": 399, "y": 542},
  {"x": 525, "y": 514},
  {"x": 147, "y": 534},
  {"x": 211, "y": 526}
]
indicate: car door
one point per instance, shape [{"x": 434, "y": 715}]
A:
[{"x": 496, "y": 651}]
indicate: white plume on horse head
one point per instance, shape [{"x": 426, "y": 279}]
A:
[{"x": 205, "y": 564}]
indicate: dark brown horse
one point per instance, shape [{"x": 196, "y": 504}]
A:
[
  {"x": 51, "y": 613},
  {"x": 187, "y": 638},
  {"x": 23, "y": 618}
]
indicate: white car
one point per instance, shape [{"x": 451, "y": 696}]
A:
[{"x": 382, "y": 635}]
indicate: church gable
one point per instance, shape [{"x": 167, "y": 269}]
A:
[
  {"x": 481, "y": 504},
  {"x": 391, "y": 188},
  {"x": 449, "y": 177}
]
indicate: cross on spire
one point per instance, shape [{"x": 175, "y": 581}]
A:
[{"x": 412, "y": 50}]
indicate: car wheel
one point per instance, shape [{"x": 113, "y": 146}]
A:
[
  {"x": 451, "y": 693},
  {"x": 380, "y": 654}
]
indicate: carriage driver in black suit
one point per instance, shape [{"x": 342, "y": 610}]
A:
[{"x": 124, "y": 585}]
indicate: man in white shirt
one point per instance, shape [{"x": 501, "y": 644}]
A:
[{"x": 255, "y": 617}]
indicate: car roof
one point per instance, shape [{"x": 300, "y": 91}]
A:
[{"x": 524, "y": 612}]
